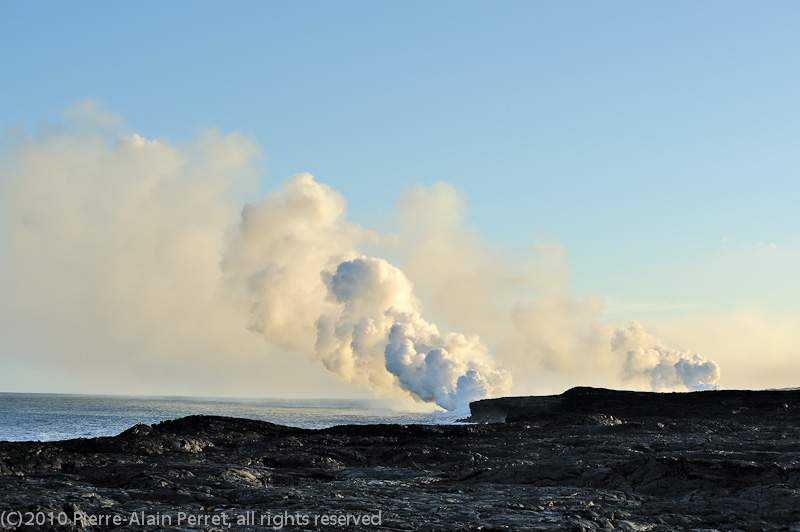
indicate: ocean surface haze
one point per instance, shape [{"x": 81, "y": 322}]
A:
[{"x": 49, "y": 417}]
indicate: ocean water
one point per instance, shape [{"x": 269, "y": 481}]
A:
[{"x": 49, "y": 417}]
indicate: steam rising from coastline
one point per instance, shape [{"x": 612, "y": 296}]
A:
[
  {"x": 379, "y": 306},
  {"x": 137, "y": 253},
  {"x": 298, "y": 274},
  {"x": 525, "y": 305},
  {"x": 666, "y": 368}
]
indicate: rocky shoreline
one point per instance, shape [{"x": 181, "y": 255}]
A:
[{"x": 589, "y": 459}]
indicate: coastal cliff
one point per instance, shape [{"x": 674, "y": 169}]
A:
[
  {"x": 588, "y": 459},
  {"x": 710, "y": 404}
]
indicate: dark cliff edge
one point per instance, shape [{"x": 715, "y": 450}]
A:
[
  {"x": 588, "y": 459},
  {"x": 712, "y": 404}
]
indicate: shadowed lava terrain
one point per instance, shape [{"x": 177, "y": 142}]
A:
[{"x": 589, "y": 459}]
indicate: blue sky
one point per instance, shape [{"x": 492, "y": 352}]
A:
[{"x": 659, "y": 142}]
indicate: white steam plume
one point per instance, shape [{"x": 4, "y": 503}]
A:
[
  {"x": 377, "y": 327},
  {"x": 295, "y": 266},
  {"x": 665, "y": 368}
]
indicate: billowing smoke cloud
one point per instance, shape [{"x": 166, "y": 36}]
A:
[
  {"x": 665, "y": 368},
  {"x": 295, "y": 266},
  {"x": 378, "y": 327},
  {"x": 274, "y": 262},
  {"x": 131, "y": 259}
]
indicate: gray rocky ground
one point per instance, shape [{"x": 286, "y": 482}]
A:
[{"x": 586, "y": 460}]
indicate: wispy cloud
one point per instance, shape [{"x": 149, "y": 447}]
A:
[{"x": 620, "y": 308}]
